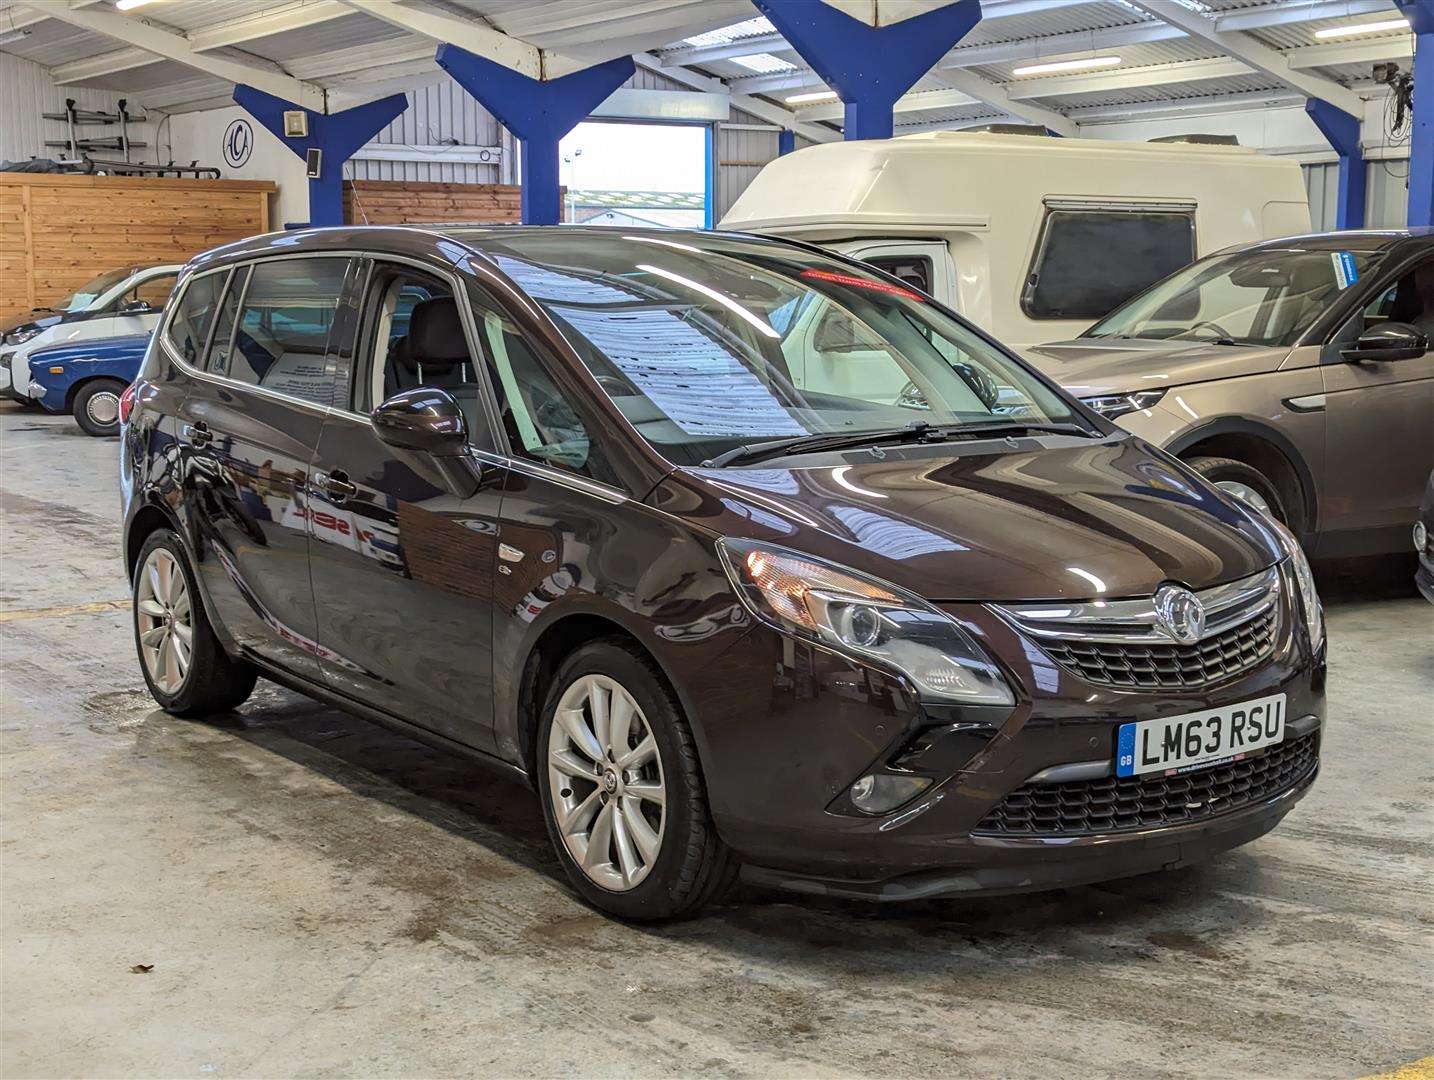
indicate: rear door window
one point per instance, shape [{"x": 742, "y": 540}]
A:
[
  {"x": 1089, "y": 262},
  {"x": 281, "y": 333},
  {"x": 188, "y": 331}
]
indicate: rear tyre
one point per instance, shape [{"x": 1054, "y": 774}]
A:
[
  {"x": 622, "y": 790},
  {"x": 1244, "y": 482},
  {"x": 186, "y": 669},
  {"x": 96, "y": 407}
]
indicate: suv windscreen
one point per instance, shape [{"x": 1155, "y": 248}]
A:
[
  {"x": 1260, "y": 297},
  {"x": 92, "y": 290},
  {"x": 707, "y": 348}
]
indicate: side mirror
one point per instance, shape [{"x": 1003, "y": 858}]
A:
[
  {"x": 1387, "y": 341},
  {"x": 136, "y": 307},
  {"x": 426, "y": 419}
]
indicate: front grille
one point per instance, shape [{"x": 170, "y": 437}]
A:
[
  {"x": 1118, "y": 804},
  {"x": 1158, "y": 666}
]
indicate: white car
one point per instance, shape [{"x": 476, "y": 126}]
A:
[{"x": 128, "y": 300}]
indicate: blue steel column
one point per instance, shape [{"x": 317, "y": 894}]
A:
[
  {"x": 339, "y": 135},
  {"x": 1342, "y": 131},
  {"x": 539, "y": 112},
  {"x": 1420, "y": 14},
  {"x": 869, "y": 67},
  {"x": 786, "y": 141}
]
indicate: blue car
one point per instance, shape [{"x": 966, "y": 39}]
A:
[{"x": 86, "y": 378}]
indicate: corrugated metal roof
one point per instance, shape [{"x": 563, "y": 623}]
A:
[{"x": 335, "y": 51}]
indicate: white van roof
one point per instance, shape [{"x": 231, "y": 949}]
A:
[{"x": 940, "y": 180}]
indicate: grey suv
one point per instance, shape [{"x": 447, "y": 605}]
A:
[{"x": 1294, "y": 373}]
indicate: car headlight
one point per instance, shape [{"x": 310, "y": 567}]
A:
[
  {"x": 19, "y": 337},
  {"x": 866, "y": 619},
  {"x": 1301, "y": 578},
  {"x": 1111, "y": 406}
]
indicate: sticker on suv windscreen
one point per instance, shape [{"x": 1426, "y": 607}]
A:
[{"x": 1345, "y": 272}]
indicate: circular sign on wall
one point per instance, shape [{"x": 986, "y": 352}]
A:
[{"x": 238, "y": 143}]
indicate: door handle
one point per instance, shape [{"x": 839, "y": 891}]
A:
[
  {"x": 199, "y": 433},
  {"x": 336, "y": 485}
]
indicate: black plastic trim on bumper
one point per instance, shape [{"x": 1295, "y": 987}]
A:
[{"x": 1101, "y": 858}]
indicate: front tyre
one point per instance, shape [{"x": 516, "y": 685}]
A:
[
  {"x": 622, "y": 791},
  {"x": 187, "y": 670},
  {"x": 97, "y": 407},
  {"x": 1244, "y": 482}
]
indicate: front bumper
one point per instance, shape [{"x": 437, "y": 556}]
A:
[{"x": 777, "y": 779}]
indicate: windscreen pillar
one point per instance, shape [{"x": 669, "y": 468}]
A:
[
  {"x": 337, "y": 137},
  {"x": 1420, "y": 14},
  {"x": 539, "y": 111},
  {"x": 869, "y": 67},
  {"x": 1342, "y": 131}
]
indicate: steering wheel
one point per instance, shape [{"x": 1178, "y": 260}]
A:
[{"x": 1220, "y": 331}]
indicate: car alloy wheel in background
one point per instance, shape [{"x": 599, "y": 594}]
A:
[{"x": 165, "y": 618}]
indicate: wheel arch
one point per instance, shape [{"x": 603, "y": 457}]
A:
[
  {"x": 1265, "y": 448},
  {"x": 79, "y": 384},
  {"x": 146, "y": 521},
  {"x": 558, "y": 638}
]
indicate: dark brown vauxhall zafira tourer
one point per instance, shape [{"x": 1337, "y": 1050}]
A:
[{"x": 747, "y": 556}]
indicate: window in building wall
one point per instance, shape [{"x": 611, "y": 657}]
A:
[{"x": 635, "y": 175}]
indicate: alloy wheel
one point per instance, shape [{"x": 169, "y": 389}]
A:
[
  {"x": 165, "y": 620},
  {"x": 609, "y": 801}
]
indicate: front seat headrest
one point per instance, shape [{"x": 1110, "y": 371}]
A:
[{"x": 435, "y": 334}]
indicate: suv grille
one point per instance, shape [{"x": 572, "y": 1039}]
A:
[
  {"x": 1117, "y": 804},
  {"x": 1168, "y": 667}
]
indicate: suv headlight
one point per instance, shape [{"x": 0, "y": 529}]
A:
[
  {"x": 1301, "y": 579},
  {"x": 1111, "y": 406},
  {"x": 19, "y": 337},
  {"x": 867, "y": 619}
]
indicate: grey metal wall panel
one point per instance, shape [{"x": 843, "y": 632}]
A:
[
  {"x": 1386, "y": 204},
  {"x": 435, "y": 115}
]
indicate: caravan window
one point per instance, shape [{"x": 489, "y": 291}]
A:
[{"x": 1090, "y": 261}]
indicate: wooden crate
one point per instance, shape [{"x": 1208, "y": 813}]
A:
[
  {"x": 400, "y": 202},
  {"x": 59, "y": 231}
]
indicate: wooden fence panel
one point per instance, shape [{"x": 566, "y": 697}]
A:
[
  {"x": 399, "y": 202},
  {"x": 59, "y": 231}
]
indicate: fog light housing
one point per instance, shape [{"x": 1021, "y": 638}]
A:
[{"x": 876, "y": 793}]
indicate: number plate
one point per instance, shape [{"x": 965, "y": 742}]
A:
[{"x": 1199, "y": 739}]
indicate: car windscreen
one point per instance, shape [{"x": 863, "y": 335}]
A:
[
  {"x": 1266, "y": 296},
  {"x": 709, "y": 343},
  {"x": 92, "y": 290}
]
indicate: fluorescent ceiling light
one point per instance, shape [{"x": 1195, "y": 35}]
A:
[
  {"x": 1068, "y": 65},
  {"x": 763, "y": 63},
  {"x": 9, "y": 37},
  {"x": 127, "y": 5},
  {"x": 1363, "y": 28},
  {"x": 817, "y": 95}
]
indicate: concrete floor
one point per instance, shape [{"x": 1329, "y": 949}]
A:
[{"x": 295, "y": 892}]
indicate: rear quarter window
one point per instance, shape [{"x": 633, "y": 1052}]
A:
[{"x": 1089, "y": 262}]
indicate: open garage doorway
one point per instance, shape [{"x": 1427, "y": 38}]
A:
[{"x": 637, "y": 174}]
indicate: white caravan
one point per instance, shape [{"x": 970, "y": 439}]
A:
[{"x": 1033, "y": 238}]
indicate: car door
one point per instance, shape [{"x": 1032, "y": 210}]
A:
[
  {"x": 403, "y": 546},
  {"x": 1380, "y": 435},
  {"x": 249, "y": 428}
]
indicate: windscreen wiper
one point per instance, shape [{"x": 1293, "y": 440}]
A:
[{"x": 917, "y": 431}]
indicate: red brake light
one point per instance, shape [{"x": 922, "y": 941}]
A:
[
  {"x": 861, "y": 283},
  {"x": 127, "y": 403}
]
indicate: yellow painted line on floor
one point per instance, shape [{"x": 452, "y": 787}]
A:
[
  {"x": 1423, "y": 1069},
  {"x": 65, "y": 609}
]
